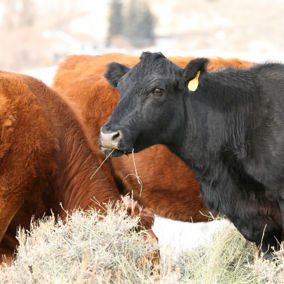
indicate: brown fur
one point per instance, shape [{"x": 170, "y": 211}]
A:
[
  {"x": 46, "y": 160},
  {"x": 169, "y": 186}
]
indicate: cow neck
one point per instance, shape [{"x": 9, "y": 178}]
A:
[
  {"x": 77, "y": 161},
  {"x": 207, "y": 127},
  {"x": 190, "y": 137}
]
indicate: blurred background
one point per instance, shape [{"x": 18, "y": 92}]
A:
[{"x": 38, "y": 33}]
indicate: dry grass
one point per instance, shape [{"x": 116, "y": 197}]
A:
[
  {"x": 89, "y": 248},
  {"x": 86, "y": 250},
  {"x": 228, "y": 258}
]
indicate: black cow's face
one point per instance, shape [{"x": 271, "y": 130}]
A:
[{"x": 151, "y": 106}]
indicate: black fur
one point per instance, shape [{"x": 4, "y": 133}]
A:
[
  {"x": 230, "y": 131},
  {"x": 190, "y": 71},
  {"x": 114, "y": 72}
]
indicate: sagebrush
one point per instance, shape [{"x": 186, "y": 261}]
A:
[{"x": 90, "y": 247}]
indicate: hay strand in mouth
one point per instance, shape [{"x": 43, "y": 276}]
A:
[
  {"x": 136, "y": 174},
  {"x": 102, "y": 163}
]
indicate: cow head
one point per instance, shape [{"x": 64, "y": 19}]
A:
[{"x": 151, "y": 109}]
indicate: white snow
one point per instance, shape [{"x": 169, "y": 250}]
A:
[
  {"x": 179, "y": 236},
  {"x": 44, "y": 74}
]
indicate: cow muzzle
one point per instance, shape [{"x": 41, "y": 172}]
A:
[{"x": 110, "y": 141}]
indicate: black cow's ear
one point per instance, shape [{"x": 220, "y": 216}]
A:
[
  {"x": 114, "y": 73},
  {"x": 193, "y": 69}
]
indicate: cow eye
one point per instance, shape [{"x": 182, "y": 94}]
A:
[{"x": 157, "y": 92}]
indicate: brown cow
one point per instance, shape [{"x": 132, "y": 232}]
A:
[
  {"x": 46, "y": 160},
  {"x": 169, "y": 186}
]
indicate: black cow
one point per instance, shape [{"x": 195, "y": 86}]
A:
[{"x": 230, "y": 131}]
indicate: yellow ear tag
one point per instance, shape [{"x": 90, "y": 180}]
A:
[{"x": 193, "y": 84}]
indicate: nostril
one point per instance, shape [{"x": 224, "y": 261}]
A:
[{"x": 116, "y": 136}]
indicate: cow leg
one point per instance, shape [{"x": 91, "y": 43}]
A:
[
  {"x": 11, "y": 200},
  {"x": 270, "y": 244},
  {"x": 146, "y": 222},
  {"x": 7, "y": 213},
  {"x": 8, "y": 246},
  {"x": 266, "y": 233}
]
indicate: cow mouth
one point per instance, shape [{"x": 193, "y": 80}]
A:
[{"x": 113, "y": 152}]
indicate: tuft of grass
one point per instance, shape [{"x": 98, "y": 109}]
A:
[
  {"x": 228, "y": 258},
  {"x": 93, "y": 248},
  {"x": 86, "y": 248}
]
